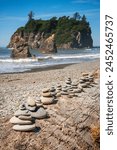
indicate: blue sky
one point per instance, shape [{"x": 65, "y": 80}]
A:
[{"x": 13, "y": 14}]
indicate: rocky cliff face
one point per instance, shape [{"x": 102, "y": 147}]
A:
[
  {"x": 21, "y": 42},
  {"x": 20, "y": 47},
  {"x": 79, "y": 40}
]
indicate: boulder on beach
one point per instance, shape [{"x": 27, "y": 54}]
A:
[{"x": 20, "y": 48}]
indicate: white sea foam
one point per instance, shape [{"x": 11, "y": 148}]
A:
[
  {"x": 8, "y": 65},
  {"x": 19, "y": 60}
]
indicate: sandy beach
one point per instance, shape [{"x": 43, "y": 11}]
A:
[{"x": 73, "y": 123}]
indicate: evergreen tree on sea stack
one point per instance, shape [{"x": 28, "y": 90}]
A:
[
  {"x": 76, "y": 16},
  {"x": 30, "y": 15}
]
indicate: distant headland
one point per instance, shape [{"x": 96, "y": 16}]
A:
[{"x": 47, "y": 35}]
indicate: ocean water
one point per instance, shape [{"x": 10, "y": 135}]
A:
[{"x": 9, "y": 65}]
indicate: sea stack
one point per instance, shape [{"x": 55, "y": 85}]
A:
[{"x": 20, "y": 48}]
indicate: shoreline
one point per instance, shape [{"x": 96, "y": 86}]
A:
[{"x": 54, "y": 67}]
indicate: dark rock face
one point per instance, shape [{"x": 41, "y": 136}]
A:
[
  {"x": 20, "y": 48},
  {"x": 48, "y": 45},
  {"x": 22, "y": 41},
  {"x": 79, "y": 40}
]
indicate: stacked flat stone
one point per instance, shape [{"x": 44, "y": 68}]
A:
[
  {"x": 86, "y": 80},
  {"x": 68, "y": 83},
  {"x": 76, "y": 88},
  {"x": 38, "y": 102},
  {"x": 53, "y": 91},
  {"x": 67, "y": 88},
  {"x": 58, "y": 90},
  {"x": 64, "y": 91},
  {"x": 47, "y": 96},
  {"x": 37, "y": 112},
  {"x": 24, "y": 118}
]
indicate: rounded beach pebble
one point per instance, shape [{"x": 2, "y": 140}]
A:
[
  {"x": 47, "y": 100},
  {"x": 31, "y": 101},
  {"x": 24, "y": 127},
  {"x": 15, "y": 120},
  {"x": 39, "y": 114}
]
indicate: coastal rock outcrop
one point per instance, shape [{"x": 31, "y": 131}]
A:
[
  {"x": 21, "y": 42},
  {"x": 79, "y": 40},
  {"x": 20, "y": 47},
  {"x": 48, "y": 35}
]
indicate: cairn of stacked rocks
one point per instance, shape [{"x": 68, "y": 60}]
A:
[
  {"x": 76, "y": 88},
  {"x": 38, "y": 102},
  {"x": 37, "y": 112},
  {"x": 64, "y": 91},
  {"x": 86, "y": 80},
  {"x": 48, "y": 96},
  {"x": 24, "y": 118},
  {"x": 58, "y": 90},
  {"x": 53, "y": 91}
]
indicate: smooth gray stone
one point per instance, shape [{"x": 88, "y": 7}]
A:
[
  {"x": 84, "y": 85},
  {"x": 74, "y": 84},
  {"x": 39, "y": 114},
  {"x": 68, "y": 86},
  {"x": 81, "y": 81},
  {"x": 64, "y": 93},
  {"x": 33, "y": 108},
  {"x": 74, "y": 87},
  {"x": 45, "y": 90},
  {"x": 47, "y": 94},
  {"x": 75, "y": 90},
  {"x": 53, "y": 93},
  {"x": 31, "y": 102},
  {"x": 38, "y": 103},
  {"x": 52, "y": 89},
  {"x": 58, "y": 90},
  {"x": 21, "y": 112},
  {"x": 58, "y": 94},
  {"x": 71, "y": 90},
  {"x": 47, "y": 100},
  {"x": 64, "y": 89},
  {"x": 25, "y": 117},
  {"x": 16, "y": 120},
  {"x": 68, "y": 82},
  {"x": 88, "y": 83},
  {"x": 71, "y": 95},
  {"x": 82, "y": 78},
  {"x": 24, "y": 127},
  {"x": 22, "y": 107},
  {"x": 59, "y": 86},
  {"x": 69, "y": 79},
  {"x": 85, "y": 74}
]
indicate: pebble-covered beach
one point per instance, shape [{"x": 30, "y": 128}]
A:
[{"x": 72, "y": 124}]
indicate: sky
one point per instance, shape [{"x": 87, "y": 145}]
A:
[{"x": 14, "y": 14}]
